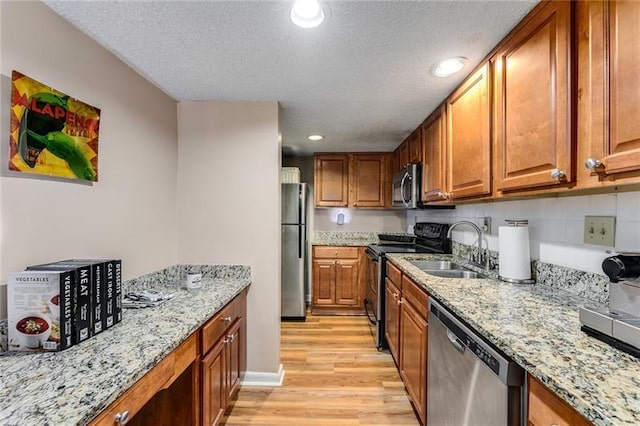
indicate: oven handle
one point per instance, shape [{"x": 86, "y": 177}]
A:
[{"x": 366, "y": 308}]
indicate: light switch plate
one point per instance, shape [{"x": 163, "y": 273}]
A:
[{"x": 600, "y": 230}]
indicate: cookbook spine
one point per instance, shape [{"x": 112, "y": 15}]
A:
[
  {"x": 84, "y": 317},
  {"x": 109, "y": 287},
  {"x": 97, "y": 288},
  {"x": 117, "y": 307},
  {"x": 66, "y": 303}
]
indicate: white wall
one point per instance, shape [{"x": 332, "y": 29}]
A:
[
  {"x": 130, "y": 212},
  {"x": 229, "y": 206},
  {"x": 360, "y": 220},
  {"x": 556, "y": 225}
]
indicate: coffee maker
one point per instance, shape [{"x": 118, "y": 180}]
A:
[{"x": 619, "y": 323}]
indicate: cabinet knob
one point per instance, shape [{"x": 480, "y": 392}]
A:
[
  {"x": 121, "y": 418},
  {"x": 557, "y": 174},
  {"x": 592, "y": 163},
  {"x": 226, "y": 319},
  {"x": 336, "y": 254},
  {"x": 230, "y": 338}
]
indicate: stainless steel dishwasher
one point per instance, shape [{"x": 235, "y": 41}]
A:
[{"x": 468, "y": 382}]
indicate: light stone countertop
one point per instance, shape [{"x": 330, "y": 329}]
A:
[
  {"x": 538, "y": 327},
  {"x": 73, "y": 386}
]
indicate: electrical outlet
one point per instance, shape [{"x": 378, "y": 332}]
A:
[
  {"x": 600, "y": 230},
  {"x": 486, "y": 225}
]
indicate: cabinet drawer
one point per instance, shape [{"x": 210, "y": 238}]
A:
[
  {"x": 331, "y": 252},
  {"x": 216, "y": 326},
  {"x": 393, "y": 273},
  {"x": 415, "y": 295},
  {"x": 545, "y": 408}
]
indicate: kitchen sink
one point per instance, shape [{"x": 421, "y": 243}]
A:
[
  {"x": 454, "y": 273},
  {"x": 429, "y": 265}
]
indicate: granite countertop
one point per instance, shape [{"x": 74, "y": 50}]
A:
[
  {"x": 73, "y": 386},
  {"x": 354, "y": 239},
  {"x": 538, "y": 327}
]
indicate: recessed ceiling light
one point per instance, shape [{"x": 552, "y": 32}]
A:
[
  {"x": 307, "y": 13},
  {"x": 315, "y": 137},
  {"x": 448, "y": 67}
]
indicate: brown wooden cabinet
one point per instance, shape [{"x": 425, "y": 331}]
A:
[
  {"x": 338, "y": 280},
  {"x": 534, "y": 141},
  {"x": 413, "y": 344},
  {"x": 433, "y": 157},
  {"x": 406, "y": 331},
  {"x": 392, "y": 318},
  {"x": 369, "y": 183},
  {"x": 224, "y": 359},
  {"x": 468, "y": 115},
  {"x": 403, "y": 155},
  {"x": 352, "y": 180},
  {"x": 415, "y": 146},
  {"x": 331, "y": 180},
  {"x": 545, "y": 408},
  {"x": 609, "y": 93}
]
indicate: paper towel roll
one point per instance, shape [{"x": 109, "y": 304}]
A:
[{"x": 514, "y": 256}]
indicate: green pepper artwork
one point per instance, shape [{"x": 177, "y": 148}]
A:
[{"x": 51, "y": 133}]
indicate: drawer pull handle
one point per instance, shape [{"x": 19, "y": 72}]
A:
[
  {"x": 121, "y": 418},
  {"x": 226, "y": 319},
  {"x": 230, "y": 337}
]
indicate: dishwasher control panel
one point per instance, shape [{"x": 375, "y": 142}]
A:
[{"x": 484, "y": 356}]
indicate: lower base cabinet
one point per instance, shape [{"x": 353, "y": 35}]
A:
[
  {"x": 545, "y": 408},
  {"x": 406, "y": 331},
  {"x": 195, "y": 383}
]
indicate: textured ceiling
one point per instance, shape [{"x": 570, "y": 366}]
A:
[{"x": 361, "y": 78}]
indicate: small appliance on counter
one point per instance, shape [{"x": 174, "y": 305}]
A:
[
  {"x": 514, "y": 252},
  {"x": 619, "y": 323}
]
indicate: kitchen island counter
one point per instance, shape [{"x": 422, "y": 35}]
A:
[
  {"x": 538, "y": 327},
  {"x": 73, "y": 386}
]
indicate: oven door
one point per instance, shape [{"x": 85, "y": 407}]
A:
[{"x": 371, "y": 300}]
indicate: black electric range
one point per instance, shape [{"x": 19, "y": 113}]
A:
[{"x": 428, "y": 238}]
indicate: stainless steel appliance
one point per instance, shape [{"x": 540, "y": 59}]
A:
[
  {"x": 294, "y": 243},
  {"x": 406, "y": 187},
  {"x": 619, "y": 323},
  {"x": 469, "y": 382},
  {"x": 428, "y": 238}
]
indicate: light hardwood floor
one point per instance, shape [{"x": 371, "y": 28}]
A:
[{"x": 333, "y": 376}]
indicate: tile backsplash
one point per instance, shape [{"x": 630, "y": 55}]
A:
[{"x": 556, "y": 225}]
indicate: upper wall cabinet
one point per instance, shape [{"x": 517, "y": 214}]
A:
[
  {"x": 468, "y": 115},
  {"x": 609, "y": 92},
  {"x": 331, "y": 180},
  {"x": 352, "y": 180},
  {"x": 415, "y": 146},
  {"x": 533, "y": 108},
  {"x": 433, "y": 157},
  {"x": 369, "y": 183}
]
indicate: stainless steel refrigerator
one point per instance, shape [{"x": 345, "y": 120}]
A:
[{"x": 294, "y": 247}]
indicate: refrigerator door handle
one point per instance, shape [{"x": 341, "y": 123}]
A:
[{"x": 300, "y": 241}]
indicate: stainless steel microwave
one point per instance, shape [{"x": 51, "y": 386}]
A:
[{"x": 406, "y": 187}]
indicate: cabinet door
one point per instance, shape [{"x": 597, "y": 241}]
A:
[
  {"x": 368, "y": 184},
  {"x": 534, "y": 142},
  {"x": 415, "y": 146},
  {"x": 331, "y": 180},
  {"x": 469, "y": 137},
  {"x": 324, "y": 282},
  {"x": 609, "y": 101},
  {"x": 347, "y": 283},
  {"x": 403, "y": 154},
  {"x": 545, "y": 408},
  {"x": 233, "y": 359},
  {"x": 433, "y": 150},
  {"x": 214, "y": 384},
  {"x": 413, "y": 357},
  {"x": 392, "y": 317}
]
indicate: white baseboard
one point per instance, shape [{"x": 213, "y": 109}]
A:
[{"x": 258, "y": 378}]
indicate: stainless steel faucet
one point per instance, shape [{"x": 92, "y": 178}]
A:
[{"x": 479, "y": 232}]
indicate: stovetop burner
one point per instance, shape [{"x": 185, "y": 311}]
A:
[{"x": 428, "y": 238}]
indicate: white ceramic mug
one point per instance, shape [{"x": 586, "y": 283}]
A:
[{"x": 194, "y": 280}]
